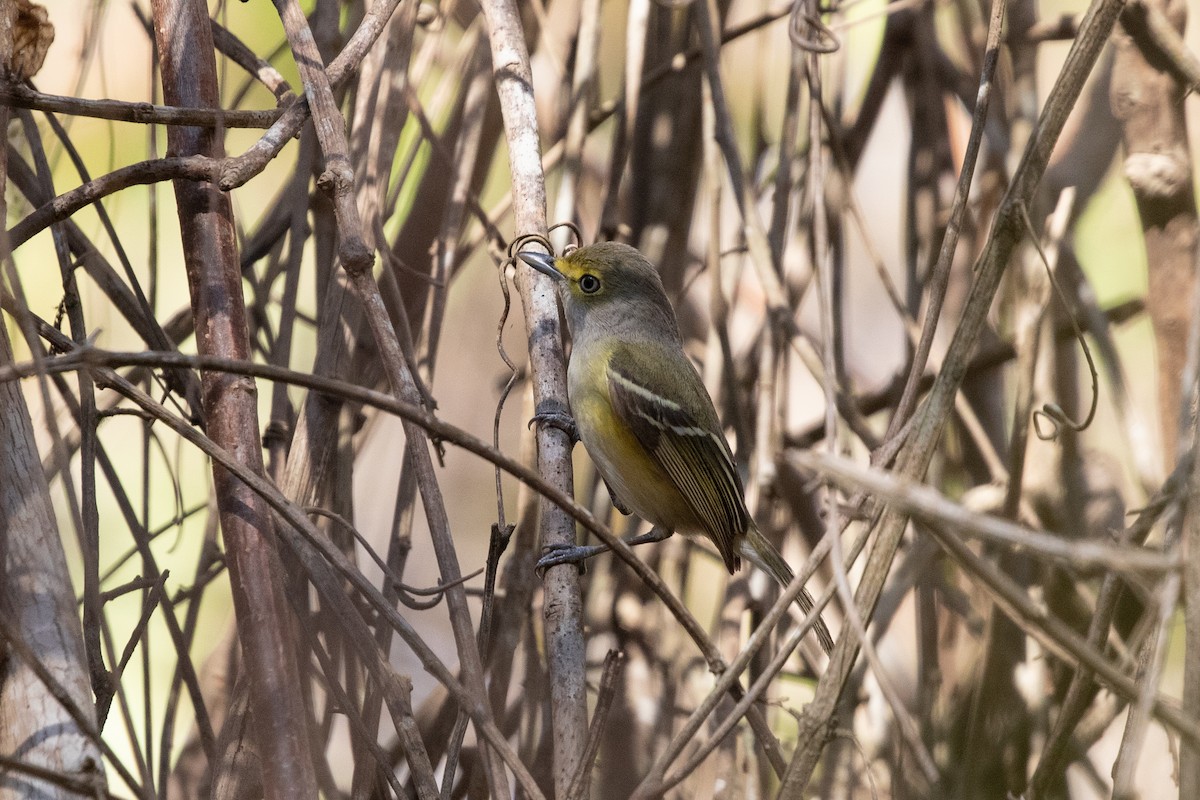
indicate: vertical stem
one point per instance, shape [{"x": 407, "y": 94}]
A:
[
  {"x": 563, "y": 603},
  {"x": 184, "y": 38},
  {"x": 914, "y": 460}
]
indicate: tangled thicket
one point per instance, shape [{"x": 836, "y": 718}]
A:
[{"x": 890, "y": 233}]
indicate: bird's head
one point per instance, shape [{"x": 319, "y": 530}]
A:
[{"x": 607, "y": 284}]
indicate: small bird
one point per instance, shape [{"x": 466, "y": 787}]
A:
[{"x": 643, "y": 413}]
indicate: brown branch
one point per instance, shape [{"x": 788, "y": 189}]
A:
[
  {"x": 614, "y": 666},
  {"x": 1149, "y": 102},
  {"x": 244, "y": 167},
  {"x": 1148, "y": 98},
  {"x": 927, "y": 504},
  {"x": 338, "y": 178},
  {"x": 1160, "y": 39},
  {"x": 20, "y": 96},
  {"x": 323, "y": 562},
  {"x": 914, "y": 460},
  {"x": 236, "y": 50},
  {"x": 184, "y": 38},
  {"x": 357, "y": 256},
  {"x": 190, "y": 168},
  {"x": 1151, "y": 659},
  {"x": 1057, "y": 637},
  {"x": 411, "y": 412}
]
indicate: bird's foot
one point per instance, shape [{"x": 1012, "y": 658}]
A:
[
  {"x": 555, "y": 554},
  {"x": 552, "y": 413}
]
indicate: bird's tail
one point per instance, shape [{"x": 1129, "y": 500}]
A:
[{"x": 762, "y": 554}]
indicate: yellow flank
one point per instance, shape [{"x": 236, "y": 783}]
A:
[{"x": 639, "y": 483}]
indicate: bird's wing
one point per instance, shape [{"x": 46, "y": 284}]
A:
[{"x": 678, "y": 427}]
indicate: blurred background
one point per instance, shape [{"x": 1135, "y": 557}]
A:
[{"x": 898, "y": 92}]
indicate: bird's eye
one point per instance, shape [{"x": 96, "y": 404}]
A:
[{"x": 589, "y": 284}]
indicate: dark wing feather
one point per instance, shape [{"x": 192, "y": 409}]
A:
[{"x": 679, "y": 429}]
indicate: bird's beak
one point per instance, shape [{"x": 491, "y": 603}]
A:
[{"x": 542, "y": 263}]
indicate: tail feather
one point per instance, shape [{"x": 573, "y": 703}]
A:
[{"x": 761, "y": 553}]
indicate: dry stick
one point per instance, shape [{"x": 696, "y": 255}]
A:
[
  {"x": 988, "y": 357},
  {"x": 940, "y": 277},
  {"x": 1151, "y": 659},
  {"x": 442, "y": 430},
  {"x": 752, "y": 227},
  {"x": 391, "y": 577},
  {"x": 183, "y": 35},
  {"x": 565, "y": 647},
  {"x": 1059, "y": 639},
  {"x": 448, "y": 160},
  {"x": 378, "y": 120},
  {"x": 654, "y": 783},
  {"x": 189, "y": 388},
  {"x": 785, "y": 170},
  {"x": 1057, "y": 749},
  {"x": 909, "y": 732},
  {"x": 82, "y": 717},
  {"x": 19, "y": 96},
  {"x": 1189, "y": 424},
  {"x": 325, "y": 386},
  {"x": 706, "y": 19},
  {"x": 422, "y": 775},
  {"x": 942, "y": 515},
  {"x": 448, "y": 255},
  {"x": 380, "y": 115},
  {"x": 150, "y": 601},
  {"x": 744, "y": 705},
  {"x": 445, "y": 252},
  {"x": 572, "y": 766},
  {"x": 195, "y": 168},
  {"x": 1189, "y": 533},
  {"x": 185, "y": 673},
  {"x": 84, "y": 510},
  {"x": 231, "y": 173},
  {"x": 637, "y": 22},
  {"x": 37, "y": 597},
  {"x": 356, "y": 257},
  {"x": 237, "y": 171},
  {"x": 319, "y": 557},
  {"x": 141, "y": 752},
  {"x": 1164, "y": 40},
  {"x": 338, "y": 178},
  {"x": 889, "y": 59},
  {"x": 1003, "y": 239},
  {"x": 1149, "y": 100},
  {"x": 278, "y": 434},
  {"x": 719, "y": 359},
  {"x": 259, "y": 68},
  {"x": 1149, "y": 103},
  {"x": 966, "y": 413},
  {"x": 393, "y": 689},
  {"x": 89, "y": 786},
  {"x": 1003, "y": 643},
  {"x": 235, "y": 49},
  {"x": 926, "y": 503},
  {"x": 185, "y": 384},
  {"x": 404, "y": 386},
  {"x": 125, "y": 299},
  {"x": 614, "y": 664},
  {"x": 885, "y": 453}
]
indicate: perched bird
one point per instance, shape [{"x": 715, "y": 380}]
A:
[{"x": 643, "y": 414}]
